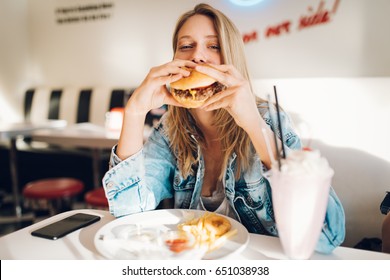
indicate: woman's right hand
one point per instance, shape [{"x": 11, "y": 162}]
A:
[{"x": 152, "y": 93}]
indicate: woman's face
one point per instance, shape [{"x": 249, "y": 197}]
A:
[{"x": 198, "y": 41}]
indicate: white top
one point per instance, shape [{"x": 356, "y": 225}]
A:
[{"x": 217, "y": 203}]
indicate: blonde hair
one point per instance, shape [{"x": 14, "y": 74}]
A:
[{"x": 181, "y": 126}]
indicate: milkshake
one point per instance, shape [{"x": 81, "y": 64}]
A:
[{"x": 300, "y": 191}]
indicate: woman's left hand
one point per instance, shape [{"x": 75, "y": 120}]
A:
[{"x": 237, "y": 98}]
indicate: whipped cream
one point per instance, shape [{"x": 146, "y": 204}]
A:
[{"x": 300, "y": 162}]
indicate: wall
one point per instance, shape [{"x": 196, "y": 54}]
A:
[
  {"x": 119, "y": 50},
  {"x": 14, "y": 57},
  {"x": 332, "y": 77},
  {"x": 353, "y": 43},
  {"x": 137, "y": 36}
]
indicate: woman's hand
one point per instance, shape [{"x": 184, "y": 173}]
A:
[
  {"x": 237, "y": 98},
  {"x": 152, "y": 93},
  {"x": 240, "y": 102}
]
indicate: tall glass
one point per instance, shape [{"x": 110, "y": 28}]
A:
[{"x": 299, "y": 201}]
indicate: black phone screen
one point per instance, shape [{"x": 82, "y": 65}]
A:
[
  {"x": 67, "y": 225},
  {"x": 385, "y": 205}
]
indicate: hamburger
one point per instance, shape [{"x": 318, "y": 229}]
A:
[{"x": 194, "y": 90}]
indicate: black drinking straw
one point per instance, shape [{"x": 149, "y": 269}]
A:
[
  {"x": 273, "y": 123},
  {"x": 280, "y": 123}
]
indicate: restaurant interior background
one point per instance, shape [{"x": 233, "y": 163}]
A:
[{"x": 329, "y": 60}]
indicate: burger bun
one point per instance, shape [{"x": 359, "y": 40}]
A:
[{"x": 194, "y": 90}]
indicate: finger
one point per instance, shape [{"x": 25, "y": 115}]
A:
[
  {"x": 214, "y": 73},
  {"x": 182, "y": 62},
  {"x": 168, "y": 70},
  {"x": 178, "y": 69},
  {"x": 169, "y": 100},
  {"x": 219, "y": 96},
  {"x": 225, "y": 74},
  {"x": 222, "y": 103},
  {"x": 172, "y": 68},
  {"x": 164, "y": 80},
  {"x": 185, "y": 63},
  {"x": 226, "y": 68},
  {"x": 174, "y": 78}
]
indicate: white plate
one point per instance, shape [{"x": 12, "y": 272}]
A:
[{"x": 106, "y": 239}]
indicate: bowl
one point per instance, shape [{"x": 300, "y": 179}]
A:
[{"x": 178, "y": 241}]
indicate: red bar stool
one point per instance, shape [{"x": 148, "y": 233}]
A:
[
  {"x": 96, "y": 199},
  {"x": 55, "y": 194}
]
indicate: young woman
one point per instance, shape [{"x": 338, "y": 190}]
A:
[{"x": 213, "y": 157}]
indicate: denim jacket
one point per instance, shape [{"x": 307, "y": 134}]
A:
[{"x": 143, "y": 180}]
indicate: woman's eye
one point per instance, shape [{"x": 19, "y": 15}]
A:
[
  {"x": 215, "y": 47},
  {"x": 184, "y": 47}
]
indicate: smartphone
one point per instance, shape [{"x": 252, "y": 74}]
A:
[{"x": 65, "y": 226}]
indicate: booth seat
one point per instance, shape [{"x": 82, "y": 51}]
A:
[{"x": 75, "y": 105}]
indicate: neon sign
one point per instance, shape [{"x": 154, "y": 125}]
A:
[{"x": 245, "y": 2}]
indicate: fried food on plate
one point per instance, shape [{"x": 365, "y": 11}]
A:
[{"x": 210, "y": 230}]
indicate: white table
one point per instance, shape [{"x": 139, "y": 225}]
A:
[
  {"x": 83, "y": 135},
  {"x": 80, "y": 244},
  {"x": 10, "y": 132}
]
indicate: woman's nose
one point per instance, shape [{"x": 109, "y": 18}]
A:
[
  {"x": 198, "y": 56},
  {"x": 198, "y": 60}
]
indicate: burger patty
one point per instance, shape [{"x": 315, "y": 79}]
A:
[{"x": 200, "y": 93}]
